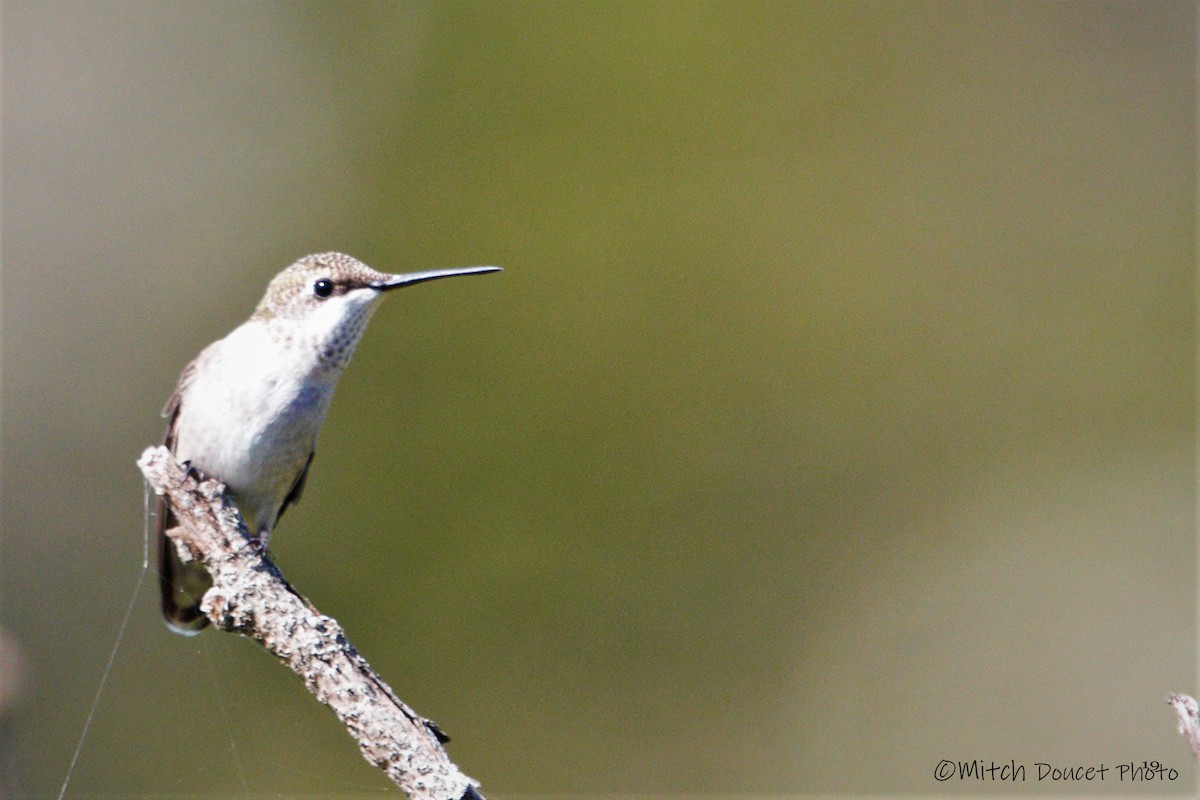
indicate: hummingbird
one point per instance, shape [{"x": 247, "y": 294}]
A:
[{"x": 248, "y": 409}]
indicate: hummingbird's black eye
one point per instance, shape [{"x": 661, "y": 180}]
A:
[{"x": 323, "y": 287}]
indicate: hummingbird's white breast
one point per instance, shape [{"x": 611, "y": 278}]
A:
[{"x": 251, "y": 414}]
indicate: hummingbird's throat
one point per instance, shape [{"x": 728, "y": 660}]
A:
[{"x": 334, "y": 328}]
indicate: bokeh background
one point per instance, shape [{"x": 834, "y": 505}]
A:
[{"x": 834, "y": 414}]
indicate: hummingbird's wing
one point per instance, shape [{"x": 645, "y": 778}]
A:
[
  {"x": 171, "y": 409},
  {"x": 181, "y": 584},
  {"x": 297, "y": 489}
]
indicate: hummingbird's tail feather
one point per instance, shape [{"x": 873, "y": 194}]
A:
[{"x": 183, "y": 584}]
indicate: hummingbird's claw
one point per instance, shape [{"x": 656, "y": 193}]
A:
[{"x": 193, "y": 472}]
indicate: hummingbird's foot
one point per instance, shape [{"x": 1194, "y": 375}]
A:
[
  {"x": 258, "y": 546},
  {"x": 194, "y": 472}
]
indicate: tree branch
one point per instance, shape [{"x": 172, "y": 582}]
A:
[
  {"x": 1189, "y": 719},
  {"x": 250, "y": 596}
]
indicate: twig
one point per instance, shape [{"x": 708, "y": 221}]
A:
[
  {"x": 250, "y": 596},
  {"x": 1189, "y": 719}
]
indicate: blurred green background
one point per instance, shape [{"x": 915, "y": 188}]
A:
[{"x": 834, "y": 414}]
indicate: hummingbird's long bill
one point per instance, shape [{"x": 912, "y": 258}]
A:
[{"x": 396, "y": 281}]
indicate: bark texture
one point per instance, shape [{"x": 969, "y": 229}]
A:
[{"x": 250, "y": 596}]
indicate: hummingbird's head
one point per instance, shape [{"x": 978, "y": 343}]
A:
[{"x": 327, "y": 299}]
